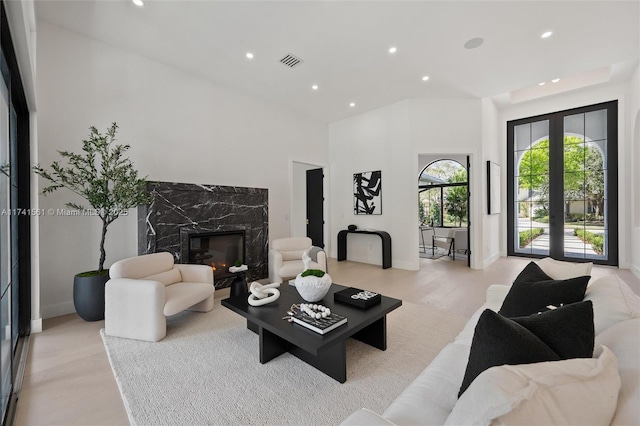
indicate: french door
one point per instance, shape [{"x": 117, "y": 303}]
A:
[
  {"x": 562, "y": 190},
  {"x": 15, "y": 249}
]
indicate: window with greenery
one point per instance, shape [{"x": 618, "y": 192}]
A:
[
  {"x": 442, "y": 187},
  {"x": 563, "y": 190}
]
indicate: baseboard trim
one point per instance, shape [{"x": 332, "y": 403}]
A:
[
  {"x": 490, "y": 260},
  {"x": 36, "y": 325},
  {"x": 636, "y": 270},
  {"x": 409, "y": 266},
  {"x": 58, "y": 309}
]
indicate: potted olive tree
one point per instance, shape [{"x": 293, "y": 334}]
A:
[{"x": 110, "y": 185}]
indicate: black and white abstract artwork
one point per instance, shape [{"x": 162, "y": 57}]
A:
[{"x": 367, "y": 192}]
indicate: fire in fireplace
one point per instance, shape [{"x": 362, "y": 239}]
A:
[{"x": 220, "y": 250}]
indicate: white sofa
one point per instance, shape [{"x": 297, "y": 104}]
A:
[
  {"x": 431, "y": 398},
  {"x": 285, "y": 258},
  {"x": 144, "y": 290}
]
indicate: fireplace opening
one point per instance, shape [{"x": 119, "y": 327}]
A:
[{"x": 220, "y": 250}]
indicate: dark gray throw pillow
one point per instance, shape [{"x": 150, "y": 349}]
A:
[
  {"x": 533, "y": 290},
  {"x": 562, "y": 333}
]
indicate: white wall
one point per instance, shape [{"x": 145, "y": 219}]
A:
[
  {"x": 376, "y": 140},
  {"x": 181, "y": 128},
  {"x": 494, "y": 225},
  {"x": 390, "y": 139},
  {"x": 634, "y": 125},
  {"x": 578, "y": 98}
]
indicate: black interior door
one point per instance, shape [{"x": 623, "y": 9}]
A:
[
  {"x": 468, "y": 210},
  {"x": 315, "y": 207}
]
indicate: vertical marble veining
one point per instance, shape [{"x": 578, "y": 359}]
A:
[{"x": 176, "y": 210}]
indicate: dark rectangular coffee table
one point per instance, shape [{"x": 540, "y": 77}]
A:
[{"x": 325, "y": 352}]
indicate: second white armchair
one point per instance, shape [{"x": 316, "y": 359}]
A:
[{"x": 285, "y": 258}]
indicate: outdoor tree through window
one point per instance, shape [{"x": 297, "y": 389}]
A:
[
  {"x": 562, "y": 200},
  {"x": 443, "y": 194}
]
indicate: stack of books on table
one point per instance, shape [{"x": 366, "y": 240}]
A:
[
  {"x": 322, "y": 325},
  {"x": 357, "y": 297}
]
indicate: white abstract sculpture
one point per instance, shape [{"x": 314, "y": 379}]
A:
[
  {"x": 312, "y": 288},
  {"x": 263, "y": 294},
  {"x": 306, "y": 259}
]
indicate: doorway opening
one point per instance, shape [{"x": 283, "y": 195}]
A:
[
  {"x": 307, "y": 202},
  {"x": 443, "y": 208}
]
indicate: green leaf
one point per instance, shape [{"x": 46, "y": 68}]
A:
[{"x": 101, "y": 175}]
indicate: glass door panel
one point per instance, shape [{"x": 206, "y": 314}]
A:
[
  {"x": 531, "y": 188},
  {"x": 6, "y": 348},
  {"x": 455, "y": 206},
  {"x": 585, "y": 147}
]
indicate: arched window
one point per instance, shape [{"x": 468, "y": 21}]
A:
[{"x": 443, "y": 194}]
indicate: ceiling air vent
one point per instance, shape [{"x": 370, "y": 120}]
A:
[{"x": 291, "y": 61}]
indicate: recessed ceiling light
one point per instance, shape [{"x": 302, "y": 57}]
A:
[
  {"x": 555, "y": 80},
  {"x": 392, "y": 50},
  {"x": 314, "y": 87},
  {"x": 249, "y": 55},
  {"x": 546, "y": 34},
  {"x": 139, "y": 3},
  {"x": 541, "y": 84},
  {"x": 425, "y": 78},
  {"x": 352, "y": 104},
  {"x": 473, "y": 43}
]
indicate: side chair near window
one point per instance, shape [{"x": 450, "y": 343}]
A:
[
  {"x": 285, "y": 258},
  {"x": 143, "y": 291},
  {"x": 426, "y": 235},
  {"x": 450, "y": 239}
]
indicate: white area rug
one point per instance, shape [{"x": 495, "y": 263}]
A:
[{"x": 206, "y": 372}]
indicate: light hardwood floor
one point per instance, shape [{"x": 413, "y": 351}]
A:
[{"x": 68, "y": 379}]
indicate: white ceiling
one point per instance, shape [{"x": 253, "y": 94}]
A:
[{"x": 345, "y": 45}]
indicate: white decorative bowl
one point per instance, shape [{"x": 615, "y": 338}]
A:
[{"x": 313, "y": 288}]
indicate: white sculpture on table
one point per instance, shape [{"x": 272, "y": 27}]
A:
[
  {"x": 306, "y": 259},
  {"x": 263, "y": 294}
]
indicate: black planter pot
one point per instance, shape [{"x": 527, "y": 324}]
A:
[{"x": 88, "y": 296}]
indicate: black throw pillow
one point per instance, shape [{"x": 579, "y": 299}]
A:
[
  {"x": 531, "y": 273},
  {"x": 533, "y": 290},
  {"x": 562, "y": 333},
  {"x": 568, "y": 331}
]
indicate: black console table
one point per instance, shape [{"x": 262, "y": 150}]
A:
[{"x": 386, "y": 245}]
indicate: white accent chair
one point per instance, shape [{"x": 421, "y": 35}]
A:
[
  {"x": 285, "y": 258},
  {"x": 144, "y": 290},
  {"x": 450, "y": 239},
  {"x": 441, "y": 239},
  {"x": 460, "y": 241},
  {"x": 425, "y": 235}
]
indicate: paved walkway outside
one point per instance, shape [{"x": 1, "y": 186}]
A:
[{"x": 572, "y": 244}]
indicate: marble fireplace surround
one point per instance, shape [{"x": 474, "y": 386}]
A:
[{"x": 177, "y": 210}]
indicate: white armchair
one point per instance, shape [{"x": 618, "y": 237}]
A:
[
  {"x": 441, "y": 238},
  {"x": 460, "y": 241},
  {"x": 450, "y": 239},
  {"x": 144, "y": 290},
  {"x": 285, "y": 258}
]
